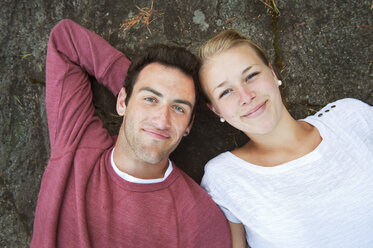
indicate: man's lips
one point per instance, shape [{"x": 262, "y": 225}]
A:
[
  {"x": 158, "y": 134},
  {"x": 256, "y": 111}
]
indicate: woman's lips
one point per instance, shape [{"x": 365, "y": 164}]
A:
[{"x": 258, "y": 110}]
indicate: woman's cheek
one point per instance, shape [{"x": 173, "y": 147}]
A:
[{"x": 228, "y": 110}]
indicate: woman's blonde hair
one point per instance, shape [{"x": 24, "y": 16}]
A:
[{"x": 226, "y": 40}]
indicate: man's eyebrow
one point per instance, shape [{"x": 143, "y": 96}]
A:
[
  {"x": 152, "y": 91},
  {"x": 184, "y": 102},
  {"x": 161, "y": 95}
]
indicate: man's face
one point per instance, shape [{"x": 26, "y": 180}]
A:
[{"x": 158, "y": 113}]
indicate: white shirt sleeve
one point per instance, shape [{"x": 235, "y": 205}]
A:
[{"x": 210, "y": 182}]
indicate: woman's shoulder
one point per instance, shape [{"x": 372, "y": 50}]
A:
[
  {"x": 344, "y": 110},
  {"x": 217, "y": 173},
  {"x": 218, "y": 162},
  {"x": 344, "y": 114},
  {"x": 351, "y": 103},
  {"x": 218, "y": 167}
]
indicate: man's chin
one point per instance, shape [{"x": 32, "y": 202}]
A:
[
  {"x": 153, "y": 157},
  {"x": 153, "y": 154}
]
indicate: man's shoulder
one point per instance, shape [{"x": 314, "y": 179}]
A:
[
  {"x": 184, "y": 185},
  {"x": 184, "y": 178},
  {"x": 194, "y": 205},
  {"x": 192, "y": 197}
]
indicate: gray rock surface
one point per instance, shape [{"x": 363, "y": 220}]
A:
[{"x": 323, "y": 49}]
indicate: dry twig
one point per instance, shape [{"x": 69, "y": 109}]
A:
[
  {"x": 145, "y": 16},
  {"x": 272, "y": 7},
  {"x": 181, "y": 21},
  {"x": 230, "y": 20}
]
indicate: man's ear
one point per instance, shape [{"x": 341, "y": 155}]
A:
[
  {"x": 121, "y": 104},
  {"x": 189, "y": 127}
]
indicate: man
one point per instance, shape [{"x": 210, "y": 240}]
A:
[{"x": 98, "y": 191}]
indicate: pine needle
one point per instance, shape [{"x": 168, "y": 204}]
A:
[{"x": 145, "y": 16}]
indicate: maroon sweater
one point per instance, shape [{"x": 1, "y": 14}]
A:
[{"x": 82, "y": 201}]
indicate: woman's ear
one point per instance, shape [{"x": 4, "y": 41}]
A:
[
  {"x": 213, "y": 109},
  {"x": 121, "y": 102},
  {"x": 273, "y": 72}
]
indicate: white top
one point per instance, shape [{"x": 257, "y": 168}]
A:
[
  {"x": 323, "y": 199},
  {"x": 132, "y": 179}
]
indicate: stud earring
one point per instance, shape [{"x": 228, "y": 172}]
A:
[
  {"x": 222, "y": 119},
  {"x": 279, "y": 82}
]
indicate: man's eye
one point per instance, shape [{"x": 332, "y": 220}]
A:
[
  {"x": 225, "y": 92},
  {"x": 251, "y": 76},
  {"x": 179, "y": 109},
  {"x": 150, "y": 99}
]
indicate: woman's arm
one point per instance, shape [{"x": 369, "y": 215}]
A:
[{"x": 238, "y": 235}]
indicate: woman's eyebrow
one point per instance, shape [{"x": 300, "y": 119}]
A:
[
  {"x": 220, "y": 85},
  {"x": 243, "y": 72},
  {"x": 247, "y": 69}
]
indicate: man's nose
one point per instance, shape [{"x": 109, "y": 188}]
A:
[{"x": 162, "y": 117}]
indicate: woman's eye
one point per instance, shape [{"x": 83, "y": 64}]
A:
[
  {"x": 224, "y": 93},
  {"x": 251, "y": 76},
  {"x": 179, "y": 109}
]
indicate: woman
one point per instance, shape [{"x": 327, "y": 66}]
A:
[{"x": 296, "y": 183}]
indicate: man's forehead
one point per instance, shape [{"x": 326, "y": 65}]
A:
[
  {"x": 166, "y": 80},
  {"x": 157, "y": 66}
]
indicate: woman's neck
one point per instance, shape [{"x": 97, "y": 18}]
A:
[
  {"x": 287, "y": 131},
  {"x": 290, "y": 139}
]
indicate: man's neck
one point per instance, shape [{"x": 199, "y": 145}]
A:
[{"x": 127, "y": 162}]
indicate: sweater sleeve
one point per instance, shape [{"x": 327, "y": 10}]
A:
[{"x": 73, "y": 54}]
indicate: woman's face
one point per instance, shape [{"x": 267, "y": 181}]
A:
[{"x": 243, "y": 90}]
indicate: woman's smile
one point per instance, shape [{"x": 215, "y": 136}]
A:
[{"x": 255, "y": 111}]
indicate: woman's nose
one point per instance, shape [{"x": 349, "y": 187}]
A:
[{"x": 246, "y": 95}]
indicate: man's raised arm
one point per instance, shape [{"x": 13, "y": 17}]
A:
[{"x": 73, "y": 53}]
